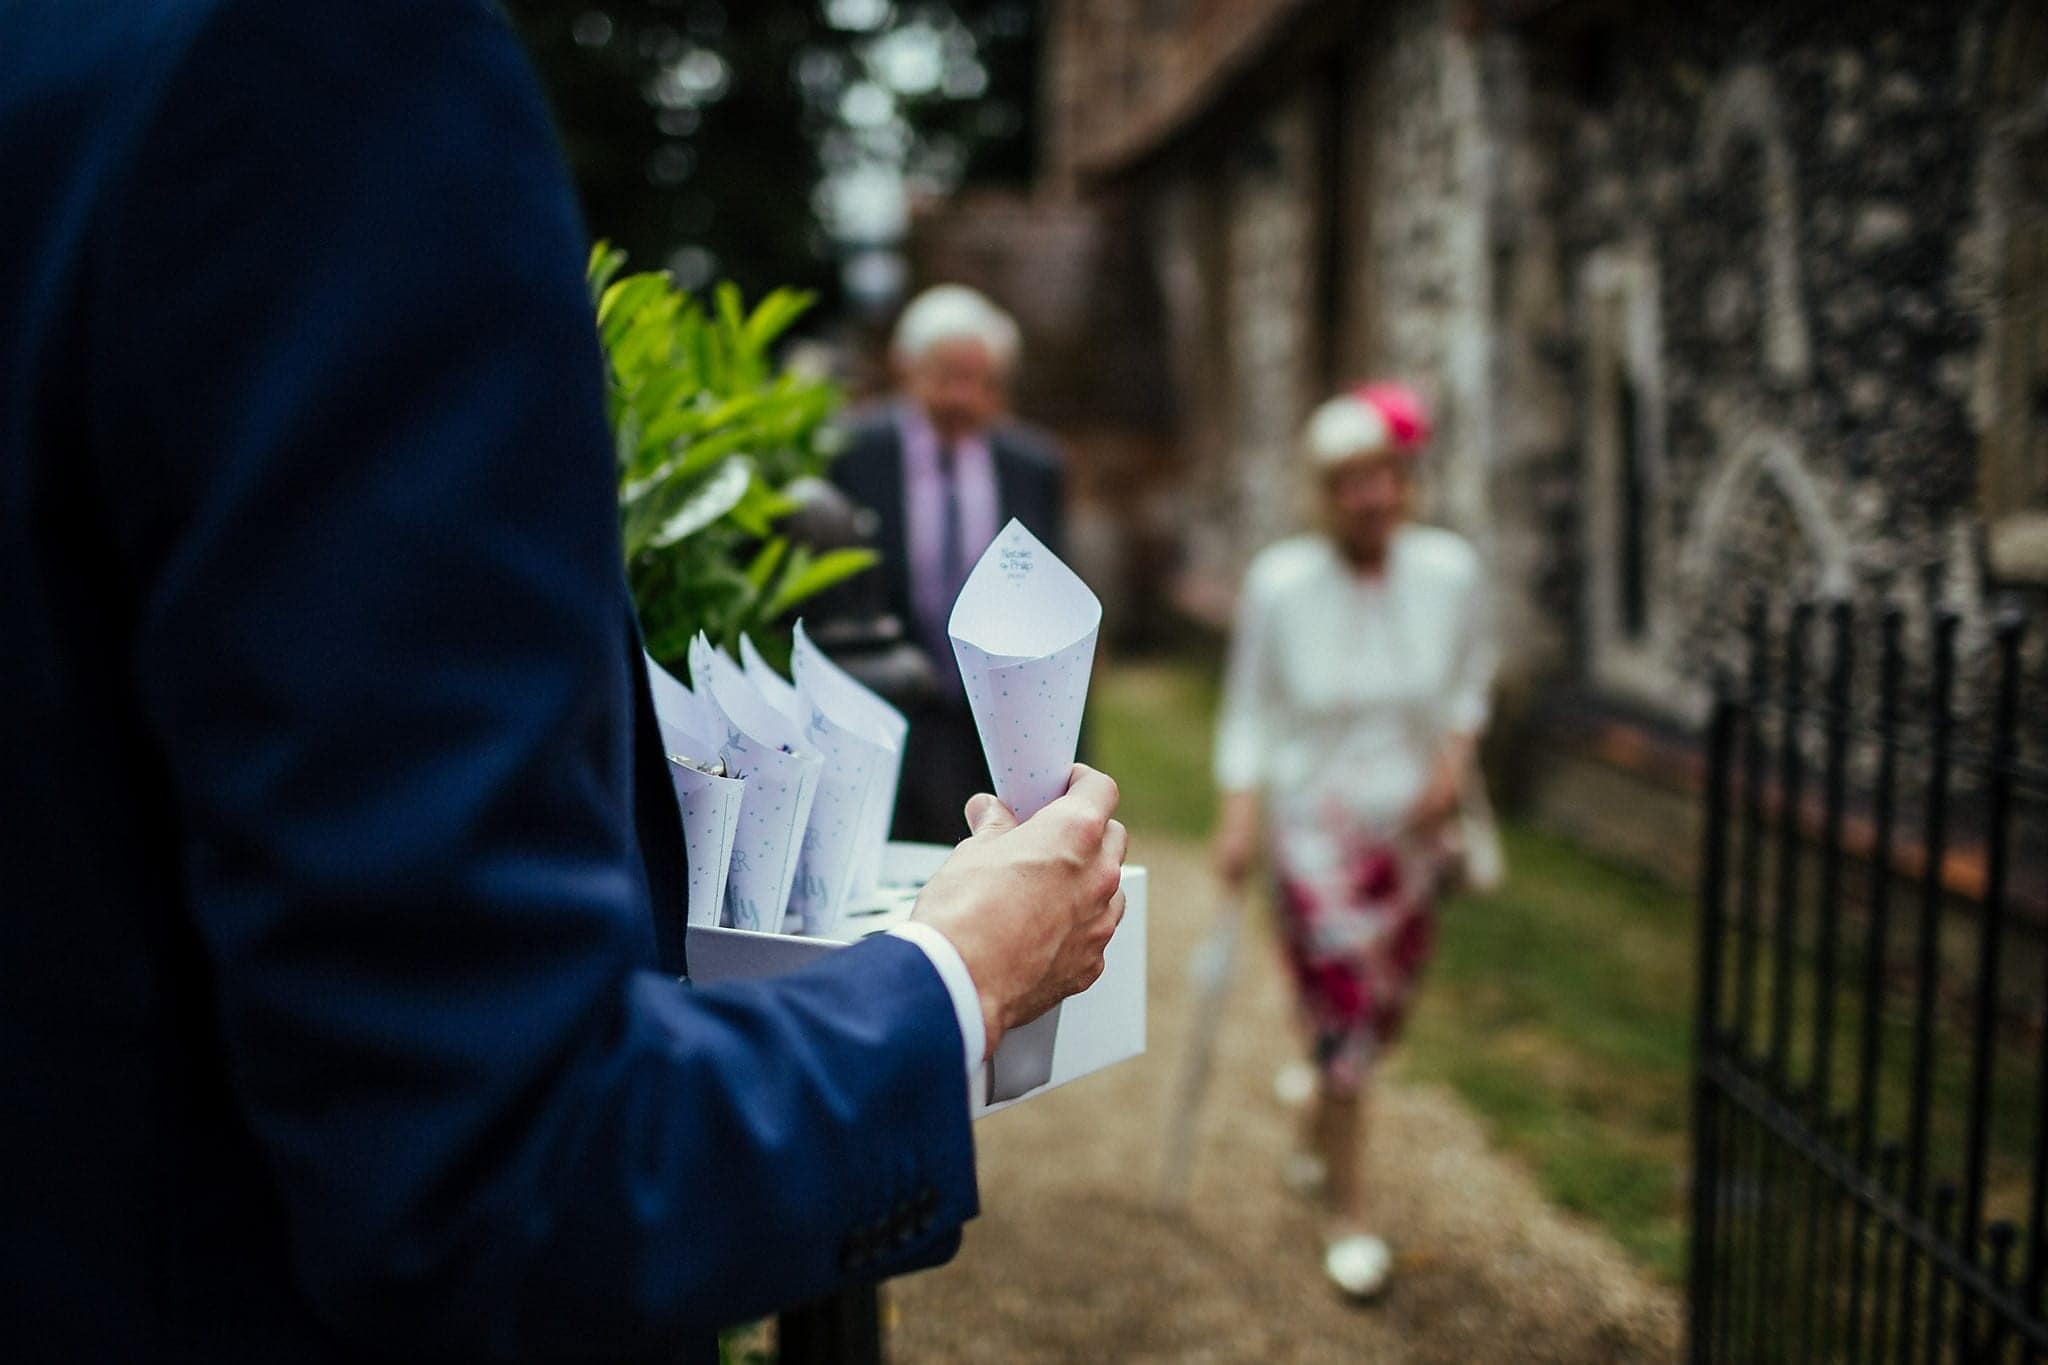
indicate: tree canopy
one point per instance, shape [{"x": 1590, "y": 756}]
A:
[{"x": 765, "y": 142}]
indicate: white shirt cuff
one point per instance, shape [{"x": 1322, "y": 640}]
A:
[{"x": 952, "y": 970}]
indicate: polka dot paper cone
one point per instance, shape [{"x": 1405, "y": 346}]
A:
[
  {"x": 691, "y": 729},
  {"x": 777, "y": 689},
  {"x": 763, "y": 749},
  {"x": 1024, "y": 631},
  {"x": 851, "y": 704},
  {"x": 711, "y": 821}
]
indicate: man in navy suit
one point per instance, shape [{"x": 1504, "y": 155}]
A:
[
  {"x": 943, "y": 471},
  {"x": 339, "y": 1011}
]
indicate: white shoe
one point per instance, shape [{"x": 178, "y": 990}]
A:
[
  {"x": 1359, "y": 1265},
  {"x": 1304, "y": 1173},
  {"x": 1294, "y": 1084}
]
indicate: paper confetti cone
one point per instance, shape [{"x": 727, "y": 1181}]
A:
[
  {"x": 711, "y": 822},
  {"x": 761, "y": 747},
  {"x": 853, "y": 705},
  {"x": 1024, "y": 631}
]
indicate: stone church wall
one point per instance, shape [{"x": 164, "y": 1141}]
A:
[{"x": 1730, "y": 298}]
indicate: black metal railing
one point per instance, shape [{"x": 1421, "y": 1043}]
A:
[{"x": 1870, "y": 1172}]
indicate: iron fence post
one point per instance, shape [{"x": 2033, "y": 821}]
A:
[{"x": 1706, "y": 1161}]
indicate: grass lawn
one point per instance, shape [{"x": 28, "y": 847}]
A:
[
  {"x": 1151, "y": 726},
  {"x": 1558, "y": 1008}
]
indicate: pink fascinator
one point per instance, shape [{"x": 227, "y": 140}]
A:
[
  {"x": 1402, "y": 409},
  {"x": 1372, "y": 419}
]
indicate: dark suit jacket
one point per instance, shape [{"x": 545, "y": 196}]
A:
[
  {"x": 1030, "y": 486},
  {"x": 944, "y": 751},
  {"x": 331, "y": 1024}
]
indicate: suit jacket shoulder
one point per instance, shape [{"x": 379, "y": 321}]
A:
[
  {"x": 1033, "y": 447},
  {"x": 869, "y": 466},
  {"x": 868, "y": 430},
  {"x": 1031, "y": 475},
  {"x": 869, "y": 470}
]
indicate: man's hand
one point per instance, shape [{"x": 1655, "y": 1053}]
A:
[{"x": 1030, "y": 907}]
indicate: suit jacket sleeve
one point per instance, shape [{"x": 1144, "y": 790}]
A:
[{"x": 350, "y": 431}]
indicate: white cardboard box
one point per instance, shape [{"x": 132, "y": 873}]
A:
[{"x": 1103, "y": 1025}]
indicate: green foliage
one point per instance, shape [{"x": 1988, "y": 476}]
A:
[{"x": 710, "y": 434}]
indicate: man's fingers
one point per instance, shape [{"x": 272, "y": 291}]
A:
[
  {"x": 1099, "y": 927},
  {"x": 1116, "y": 842},
  {"x": 1091, "y": 791},
  {"x": 986, "y": 815},
  {"x": 1106, "y": 877},
  {"x": 1097, "y": 935}
]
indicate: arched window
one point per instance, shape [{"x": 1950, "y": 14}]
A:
[{"x": 1621, "y": 508}]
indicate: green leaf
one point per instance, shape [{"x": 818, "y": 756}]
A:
[
  {"x": 774, "y": 315},
  {"x": 731, "y": 312},
  {"x": 767, "y": 562},
  {"x": 736, "y": 407},
  {"x": 621, "y": 304},
  {"x": 686, "y": 461},
  {"x": 668, "y": 391},
  {"x": 647, "y": 337},
  {"x": 762, "y": 506},
  {"x": 605, "y": 262},
  {"x": 825, "y": 571},
  {"x": 720, "y": 494}
]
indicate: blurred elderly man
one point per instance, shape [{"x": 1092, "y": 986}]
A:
[{"x": 944, "y": 469}]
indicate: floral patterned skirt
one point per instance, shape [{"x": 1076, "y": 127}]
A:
[{"x": 1357, "y": 923}]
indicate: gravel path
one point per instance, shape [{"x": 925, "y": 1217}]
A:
[{"x": 1070, "y": 1260}]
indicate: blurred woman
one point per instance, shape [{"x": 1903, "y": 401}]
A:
[{"x": 1355, "y": 695}]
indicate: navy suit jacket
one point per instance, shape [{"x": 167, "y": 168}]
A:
[{"x": 332, "y": 1024}]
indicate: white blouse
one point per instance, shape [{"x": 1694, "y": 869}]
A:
[{"x": 1345, "y": 686}]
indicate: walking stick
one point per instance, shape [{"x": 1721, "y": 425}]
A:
[{"x": 1209, "y": 972}]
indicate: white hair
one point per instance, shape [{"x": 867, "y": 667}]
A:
[
  {"x": 953, "y": 312},
  {"x": 1343, "y": 428}
]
